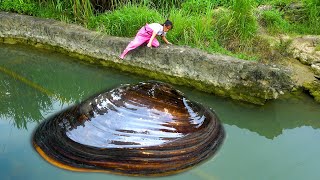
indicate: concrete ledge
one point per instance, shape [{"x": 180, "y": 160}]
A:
[{"x": 223, "y": 75}]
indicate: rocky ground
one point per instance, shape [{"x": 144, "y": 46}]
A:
[
  {"x": 302, "y": 52},
  {"x": 304, "y": 60}
]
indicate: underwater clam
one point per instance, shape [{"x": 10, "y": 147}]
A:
[{"x": 143, "y": 129}]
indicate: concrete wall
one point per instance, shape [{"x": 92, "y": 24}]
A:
[{"x": 223, "y": 75}]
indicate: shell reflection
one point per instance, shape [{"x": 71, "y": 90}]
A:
[{"x": 142, "y": 129}]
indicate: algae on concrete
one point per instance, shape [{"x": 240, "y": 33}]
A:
[
  {"x": 314, "y": 89},
  {"x": 214, "y": 73}
]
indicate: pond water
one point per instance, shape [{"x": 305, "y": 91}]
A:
[{"x": 280, "y": 140}]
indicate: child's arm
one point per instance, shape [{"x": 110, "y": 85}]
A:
[
  {"x": 165, "y": 40},
  {"x": 154, "y": 34}
]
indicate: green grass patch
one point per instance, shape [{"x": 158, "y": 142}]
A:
[
  {"x": 19, "y": 6},
  {"x": 236, "y": 25},
  {"x": 198, "y": 31},
  {"x": 282, "y": 3},
  {"x": 313, "y": 14},
  {"x": 125, "y": 21},
  {"x": 222, "y": 26},
  {"x": 245, "y": 23},
  {"x": 274, "y": 22},
  {"x": 197, "y": 7},
  {"x": 317, "y": 48}
]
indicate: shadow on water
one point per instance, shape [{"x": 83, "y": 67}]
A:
[{"x": 33, "y": 82}]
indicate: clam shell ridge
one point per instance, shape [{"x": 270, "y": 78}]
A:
[{"x": 143, "y": 129}]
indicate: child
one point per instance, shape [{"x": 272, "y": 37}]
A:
[{"x": 147, "y": 34}]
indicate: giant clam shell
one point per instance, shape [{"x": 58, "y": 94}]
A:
[{"x": 142, "y": 129}]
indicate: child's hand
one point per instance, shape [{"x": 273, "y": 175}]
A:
[
  {"x": 149, "y": 44},
  {"x": 169, "y": 43}
]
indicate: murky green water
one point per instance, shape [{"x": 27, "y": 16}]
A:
[{"x": 280, "y": 140}]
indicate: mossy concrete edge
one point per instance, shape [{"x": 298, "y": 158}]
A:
[
  {"x": 222, "y": 75},
  {"x": 314, "y": 89}
]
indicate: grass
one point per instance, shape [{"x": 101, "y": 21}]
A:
[
  {"x": 313, "y": 14},
  {"x": 223, "y": 26},
  {"x": 317, "y": 48},
  {"x": 190, "y": 29},
  {"x": 245, "y": 23},
  {"x": 236, "y": 26},
  {"x": 196, "y": 7},
  {"x": 125, "y": 21},
  {"x": 274, "y": 22},
  {"x": 20, "y": 6}
]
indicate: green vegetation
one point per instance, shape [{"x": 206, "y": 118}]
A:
[
  {"x": 317, "y": 47},
  {"x": 25, "y": 7},
  {"x": 221, "y": 26},
  {"x": 314, "y": 89},
  {"x": 313, "y": 15},
  {"x": 125, "y": 21},
  {"x": 236, "y": 26},
  {"x": 273, "y": 21}
]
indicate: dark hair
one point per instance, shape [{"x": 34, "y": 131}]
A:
[{"x": 168, "y": 23}]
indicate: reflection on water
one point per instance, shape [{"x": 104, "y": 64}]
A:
[
  {"x": 269, "y": 120},
  {"x": 31, "y": 82},
  {"x": 279, "y": 140}
]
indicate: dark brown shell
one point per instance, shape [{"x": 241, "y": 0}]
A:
[{"x": 142, "y": 129}]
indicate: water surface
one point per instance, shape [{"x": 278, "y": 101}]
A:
[{"x": 279, "y": 140}]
